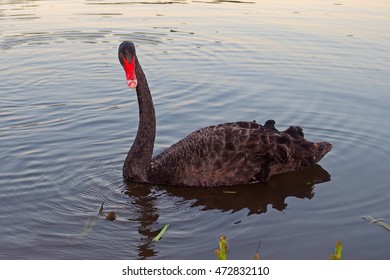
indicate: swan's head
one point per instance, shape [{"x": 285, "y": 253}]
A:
[{"x": 126, "y": 55}]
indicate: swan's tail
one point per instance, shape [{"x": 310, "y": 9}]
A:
[{"x": 321, "y": 149}]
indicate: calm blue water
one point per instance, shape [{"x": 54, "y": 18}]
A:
[{"x": 67, "y": 119}]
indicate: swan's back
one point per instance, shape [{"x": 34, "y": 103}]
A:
[{"x": 234, "y": 153}]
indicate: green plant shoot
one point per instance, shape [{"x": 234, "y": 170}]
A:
[
  {"x": 223, "y": 247},
  {"x": 338, "y": 251}
]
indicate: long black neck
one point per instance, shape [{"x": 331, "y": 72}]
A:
[{"x": 138, "y": 159}]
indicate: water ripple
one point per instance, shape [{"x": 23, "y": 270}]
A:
[{"x": 67, "y": 120}]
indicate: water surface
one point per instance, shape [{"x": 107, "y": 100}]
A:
[{"x": 67, "y": 119}]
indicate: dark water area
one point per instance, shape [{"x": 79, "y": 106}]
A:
[{"x": 67, "y": 120}]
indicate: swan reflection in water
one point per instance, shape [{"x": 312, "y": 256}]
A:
[{"x": 254, "y": 197}]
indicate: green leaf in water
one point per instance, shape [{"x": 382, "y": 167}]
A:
[{"x": 161, "y": 233}]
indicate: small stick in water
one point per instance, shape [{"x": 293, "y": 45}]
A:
[{"x": 101, "y": 209}]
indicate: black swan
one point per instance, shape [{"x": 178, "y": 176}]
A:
[{"x": 220, "y": 155}]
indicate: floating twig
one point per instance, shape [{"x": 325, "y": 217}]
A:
[
  {"x": 229, "y": 192},
  {"x": 174, "y": 30},
  {"x": 257, "y": 256},
  {"x": 377, "y": 221},
  {"x": 101, "y": 209}
]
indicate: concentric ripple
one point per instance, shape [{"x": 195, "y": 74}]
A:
[{"x": 67, "y": 120}]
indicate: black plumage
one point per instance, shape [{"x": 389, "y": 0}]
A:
[{"x": 224, "y": 154}]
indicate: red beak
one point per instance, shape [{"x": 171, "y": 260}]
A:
[{"x": 130, "y": 73}]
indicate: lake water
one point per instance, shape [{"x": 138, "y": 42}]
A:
[{"x": 67, "y": 120}]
